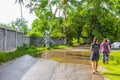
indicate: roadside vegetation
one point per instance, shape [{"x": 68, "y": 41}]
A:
[
  {"x": 113, "y": 67},
  {"x": 20, "y": 51},
  {"x": 74, "y": 21},
  {"x": 23, "y": 50}
]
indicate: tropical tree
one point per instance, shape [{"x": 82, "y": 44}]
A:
[
  {"x": 21, "y": 2},
  {"x": 22, "y": 26},
  {"x": 45, "y": 8},
  {"x": 3, "y": 25},
  {"x": 80, "y": 18},
  {"x": 100, "y": 18}
]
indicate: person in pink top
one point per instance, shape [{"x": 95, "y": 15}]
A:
[{"x": 105, "y": 49}]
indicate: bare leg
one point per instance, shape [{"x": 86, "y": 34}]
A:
[
  {"x": 96, "y": 65},
  {"x": 93, "y": 66}
]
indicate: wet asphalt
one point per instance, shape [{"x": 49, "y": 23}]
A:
[
  {"x": 73, "y": 66},
  {"x": 15, "y": 69}
]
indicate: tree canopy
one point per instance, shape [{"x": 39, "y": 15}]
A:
[{"x": 77, "y": 19}]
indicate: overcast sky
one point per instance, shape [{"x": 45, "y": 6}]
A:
[{"x": 9, "y": 11}]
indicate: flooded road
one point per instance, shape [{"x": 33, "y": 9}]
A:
[
  {"x": 67, "y": 64},
  {"x": 74, "y": 65},
  {"x": 68, "y": 56}
]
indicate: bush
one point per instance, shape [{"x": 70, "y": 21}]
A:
[
  {"x": 2, "y": 57},
  {"x": 20, "y": 51}
]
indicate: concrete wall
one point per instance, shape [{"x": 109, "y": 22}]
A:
[
  {"x": 40, "y": 41},
  {"x": 11, "y": 39}
]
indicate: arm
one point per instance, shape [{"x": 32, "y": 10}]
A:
[
  {"x": 109, "y": 48},
  {"x": 100, "y": 47},
  {"x": 90, "y": 48}
]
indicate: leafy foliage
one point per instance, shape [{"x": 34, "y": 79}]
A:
[
  {"x": 77, "y": 19},
  {"x": 20, "y": 51},
  {"x": 20, "y": 25}
]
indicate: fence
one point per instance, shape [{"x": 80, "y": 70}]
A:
[
  {"x": 11, "y": 39},
  {"x": 40, "y": 41}
]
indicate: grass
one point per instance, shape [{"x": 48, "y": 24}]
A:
[
  {"x": 20, "y": 51},
  {"x": 113, "y": 67},
  {"x": 59, "y": 47},
  {"x": 23, "y": 50}
]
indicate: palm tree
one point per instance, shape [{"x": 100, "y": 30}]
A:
[
  {"x": 64, "y": 7},
  {"x": 21, "y": 2}
]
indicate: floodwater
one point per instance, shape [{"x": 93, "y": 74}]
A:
[
  {"x": 77, "y": 56},
  {"x": 74, "y": 64}
]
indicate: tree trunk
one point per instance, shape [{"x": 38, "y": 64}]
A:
[
  {"x": 116, "y": 33},
  {"x": 21, "y": 11},
  {"x": 79, "y": 33},
  {"x": 54, "y": 13},
  {"x": 64, "y": 29}
]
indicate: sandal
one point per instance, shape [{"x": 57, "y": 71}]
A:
[
  {"x": 96, "y": 71},
  {"x": 93, "y": 72}
]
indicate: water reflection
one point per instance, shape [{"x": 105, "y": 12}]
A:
[
  {"x": 68, "y": 56},
  {"x": 79, "y": 69}
]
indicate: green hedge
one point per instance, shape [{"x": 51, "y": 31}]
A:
[{"x": 20, "y": 51}]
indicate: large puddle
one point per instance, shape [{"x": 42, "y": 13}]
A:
[{"x": 68, "y": 56}]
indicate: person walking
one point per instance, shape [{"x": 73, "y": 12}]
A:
[
  {"x": 94, "y": 48},
  {"x": 105, "y": 49}
]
